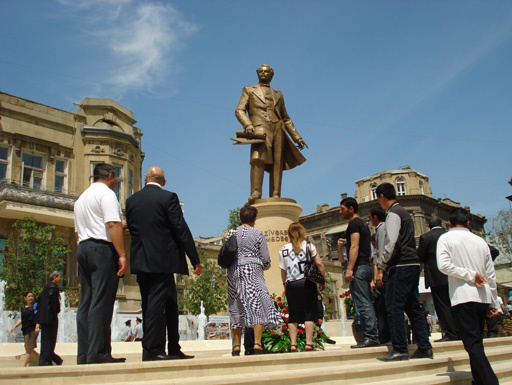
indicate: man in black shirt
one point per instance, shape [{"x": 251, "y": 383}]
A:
[{"x": 359, "y": 272}]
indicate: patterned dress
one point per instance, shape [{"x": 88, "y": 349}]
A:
[{"x": 249, "y": 301}]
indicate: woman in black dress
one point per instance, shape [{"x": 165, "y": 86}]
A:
[{"x": 28, "y": 327}]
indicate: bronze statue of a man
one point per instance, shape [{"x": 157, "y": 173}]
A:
[{"x": 267, "y": 115}]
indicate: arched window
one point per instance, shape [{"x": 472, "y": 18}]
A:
[
  {"x": 400, "y": 186},
  {"x": 422, "y": 191},
  {"x": 373, "y": 189}
]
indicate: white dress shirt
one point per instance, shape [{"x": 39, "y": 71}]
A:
[{"x": 460, "y": 255}]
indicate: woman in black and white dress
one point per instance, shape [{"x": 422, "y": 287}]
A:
[
  {"x": 250, "y": 304},
  {"x": 300, "y": 292}
]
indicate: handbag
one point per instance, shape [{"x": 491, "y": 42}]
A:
[
  {"x": 227, "y": 253},
  {"x": 311, "y": 271}
]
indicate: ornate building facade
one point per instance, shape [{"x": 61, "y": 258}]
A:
[{"x": 46, "y": 160}]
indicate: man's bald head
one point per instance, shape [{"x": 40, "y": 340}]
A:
[{"x": 156, "y": 175}]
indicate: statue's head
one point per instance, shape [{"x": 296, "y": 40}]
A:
[{"x": 265, "y": 73}]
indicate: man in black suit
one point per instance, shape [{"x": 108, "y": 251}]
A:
[
  {"x": 160, "y": 239},
  {"x": 437, "y": 281},
  {"x": 48, "y": 309}
]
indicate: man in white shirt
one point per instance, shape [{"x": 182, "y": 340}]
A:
[
  {"x": 101, "y": 258},
  {"x": 137, "y": 332},
  {"x": 466, "y": 259}
]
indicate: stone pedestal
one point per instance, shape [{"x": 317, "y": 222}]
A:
[{"x": 274, "y": 217}]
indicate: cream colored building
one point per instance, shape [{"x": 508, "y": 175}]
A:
[
  {"x": 326, "y": 226},
  {"x": 46, "y": 160}
]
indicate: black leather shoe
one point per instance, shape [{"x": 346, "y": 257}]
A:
[
  {"x": 108, "y": 360},
  {"x": 331, "y": 341},
  {"x": 182, "y": 356},
  {"x": 161, "y": 357},
  {"x": 395, "y": 356},
  {"x": 423, "y": 354},
  {"x": 366, "y": 344}
]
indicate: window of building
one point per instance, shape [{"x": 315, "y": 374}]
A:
[
  {"x": 119, "y": 174},
  {"x": 130, "y": 182},
  {"x": 373, "y": 189},
  {"x": 422, "y": 191},
  {"x": 33, "y": 170},
  {"x": 61, "y": 176},
  {"x": 317, "y": 240},
  {"x": 400, "y": 186},
  {"x": 4, "y": 162}
]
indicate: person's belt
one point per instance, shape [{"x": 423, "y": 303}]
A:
[{"x": 94, "y": 240}]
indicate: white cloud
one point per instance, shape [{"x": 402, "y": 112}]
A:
[{"x": 140, "y": 39}]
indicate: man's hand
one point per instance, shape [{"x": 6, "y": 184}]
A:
[
  {"x": 250, "y": 129},
  {"x": 380, "y": 277},
  {"x": 372, "y": 286},
  {"x": 480, "y": 280},
  {"x": 301, "y": 144},
  {"x": 492, "y": 312},
  {"x": 197, "y": 269},
  {"x": 323, "y": 286},
  {"x": 349, "y": 276},
  {"x": 123, "y": 266}
]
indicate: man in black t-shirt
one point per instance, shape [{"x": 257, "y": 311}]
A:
[{"x": 359, "y": 272}]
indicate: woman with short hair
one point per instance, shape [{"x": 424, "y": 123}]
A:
[{"x": 250, "y": 304}]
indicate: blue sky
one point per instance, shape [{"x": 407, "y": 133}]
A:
[{"x": 370, "y": 86}]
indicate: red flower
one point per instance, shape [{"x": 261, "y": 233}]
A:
[
  {"x": 285, "y": 309},
  {"x": 272, "y": 332},
  {"x": 279, "y": 298},
  {"x": 286, "y": 319},
  {"x": 301, "y": 331},
  {"x": 319, "y": 332},
  {"x": 280, "y": 304},
  {"x": 272, "y": 296},
  {"x": 284, "y": 327}
]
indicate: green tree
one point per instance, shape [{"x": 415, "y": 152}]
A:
[
  {"x": 31, "y": 253},
  {"x": 210, "y": 287},
  {"x": 234, "y": 218}
]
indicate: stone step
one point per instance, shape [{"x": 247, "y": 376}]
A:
[
  {"x": 218, "y": 367},
  {"x": 415, "y": 372}
]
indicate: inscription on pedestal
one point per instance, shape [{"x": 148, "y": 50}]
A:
[{"x": 276, "y": 235}]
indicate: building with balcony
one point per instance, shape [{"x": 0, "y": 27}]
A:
[{"x": 46, "y": 160}]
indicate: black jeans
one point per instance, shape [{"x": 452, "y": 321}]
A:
[
  {"x": 97, "y": 269},
  {"x": 402, "y": 296},
  {"x": 470, "y": 318}
]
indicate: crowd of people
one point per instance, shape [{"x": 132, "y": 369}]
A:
[{"x": 458, "y": 269}]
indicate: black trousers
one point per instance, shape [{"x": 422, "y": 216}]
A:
[
  {"x": 442, "y": 303},
  {"x": 155, "y": 289},
  {"x": 172, "y": 320},
  {"x": 470, "y": 318},
  {"x": 48, "y": 341},
  {"x": 97, "y": 269}
]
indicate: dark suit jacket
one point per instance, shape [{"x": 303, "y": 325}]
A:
[
  {"x": 427, "y": 255},
  {"x": 48, "y": 305},
  {"x": 160, "y": 235}
]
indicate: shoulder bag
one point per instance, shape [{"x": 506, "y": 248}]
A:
[
  {"x": 227, "y": 253},
  {"x": 311, "y": 271}
]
